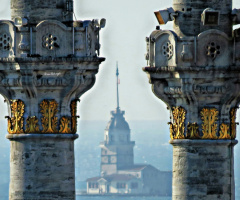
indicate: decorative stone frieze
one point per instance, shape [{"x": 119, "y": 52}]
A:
[
  {"x": 49, "y": 121},
  {"x": 210, "y": 128}
]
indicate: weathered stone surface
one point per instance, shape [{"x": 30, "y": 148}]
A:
[
  {"x": 205, "y": 172},
  {"x": 38, "y": 10},
  {"x": 42, "y": 167}
]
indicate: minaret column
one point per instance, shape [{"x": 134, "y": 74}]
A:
[
  {"x": 203, "y": 169},
  {"x": 195, "y": 71},
  {"x": 42, "y": 166},
  {"x": 47, "y": 62}
]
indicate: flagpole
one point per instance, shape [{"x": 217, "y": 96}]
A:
[{"x": 117, "y": 73}]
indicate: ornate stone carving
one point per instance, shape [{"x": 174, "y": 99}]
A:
[
  {"x": 177, "y": 128},
  {"x": 193, "y": 131},
  {"x": 233, "y": 124},
  {"x": 213, "y": 50},
  {"x": 5, "y": 42},
  {"x": 65, "y": 125},
  {"x": 24, "y": 45},
  {"x": 15, "y": 123},
  {"x": 167, "y": 50},
  {"x": 89, "y": 44},
  {"x": 186, "y": 53},
  {"x": 49, "y": 119},
  {"x": 173, "y": 90},
  {"x": 74, "y": 115},
  {"x": 209, "y": 126},
  {"x": 32, "y": 125},
  {"x": 209, "y": 89},
  {"x": 224, "y": 132},
  {"x": 50, "y": 41}
]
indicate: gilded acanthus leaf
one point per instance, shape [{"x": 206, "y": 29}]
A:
[
  {"x": 74, "y": 115},
  {"x": 178, "y": 127},
  {"x": 65, "y": 125},
  {"x": 224, "y": 132},
  {"x": 32, "y": 125},
  {"x": 193, "y": 131},
  {"x": 233, "y": 124},
  {"x": 49, "y": 119},
  {"x": 15, "y": 123},
  {"x": 209, "y": 126}
]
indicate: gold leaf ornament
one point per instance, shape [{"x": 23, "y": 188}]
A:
[
  {"x": 15, "y": 123},
  {"x": 177, "y": 128},
  {"x": 193, "y": 131},
  {"x": 209, "y": 126},
  {"x": 65, "y": 125},
  {"x": 224, "y": 132},
  {"x": 32, "y": 125},
  {"x": 49, "y": 119}
]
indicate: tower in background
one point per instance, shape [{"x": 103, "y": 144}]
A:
[
  {"x": 119, "y": 173},
  {"x": 117, "y": 148},
  {"x": 47, "y": 61}
]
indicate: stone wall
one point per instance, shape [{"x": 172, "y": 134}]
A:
[{"x": 203, "y": 169}]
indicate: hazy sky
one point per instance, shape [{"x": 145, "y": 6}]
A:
[{"x": 122, "y": 40}]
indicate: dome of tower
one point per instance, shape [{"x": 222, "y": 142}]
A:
[{"x": 117, "y": 121}]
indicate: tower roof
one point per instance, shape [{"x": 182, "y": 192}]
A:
[{"x": 117, "y": 121}]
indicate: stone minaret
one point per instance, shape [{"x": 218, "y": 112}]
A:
[
  {"x": 195, "y": 70},
  {"x": 117, "y": 148},
  {"x": 47, "y": 61}
]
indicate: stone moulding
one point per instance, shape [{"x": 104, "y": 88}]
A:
[
  {"x": 49, "y": 120},
  {"x": 209, "y": 125}
]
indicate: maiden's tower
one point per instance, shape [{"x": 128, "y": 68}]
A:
[{"x": 119, "y": 174}]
